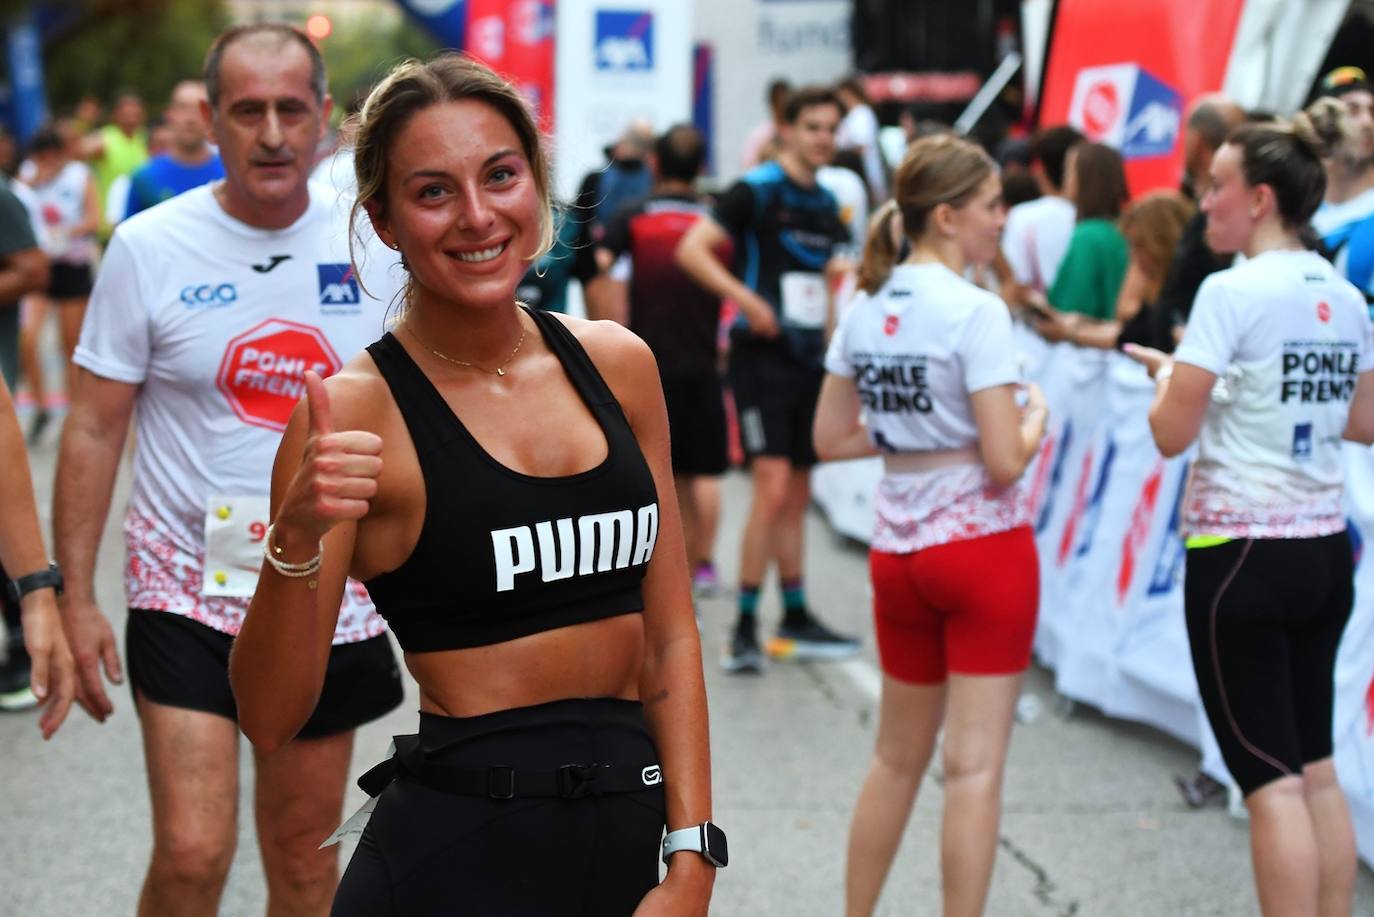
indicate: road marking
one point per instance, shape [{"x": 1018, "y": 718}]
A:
[{"x": 862, "y": 675}]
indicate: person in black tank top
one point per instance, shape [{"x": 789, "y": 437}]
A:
[{"x": 500, "y": 481}]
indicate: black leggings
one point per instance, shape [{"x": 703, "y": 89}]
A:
[
  {"x": 1265, "y": 618},
  {"x": 426, "y": 851}
]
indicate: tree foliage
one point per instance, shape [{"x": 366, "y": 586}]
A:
[
  {"x": 98, "y": 47},
  {"x": 147, "y": 45},
  {"x": 361, "y": 50}
]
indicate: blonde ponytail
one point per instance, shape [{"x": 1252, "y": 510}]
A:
[
  {"x": 880, "y": 249},
  {"x": 942, "y": 169}
]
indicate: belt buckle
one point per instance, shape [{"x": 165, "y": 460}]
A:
[
  {"x": 576, "y": 781},
  {"x": 493, "y": 782}
]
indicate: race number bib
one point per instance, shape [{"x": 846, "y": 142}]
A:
[
  {"x": 803, "y": 300},
  {"x": 234, "y": 530}
]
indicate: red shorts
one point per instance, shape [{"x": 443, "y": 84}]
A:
[{"x": 966, "y": 607}]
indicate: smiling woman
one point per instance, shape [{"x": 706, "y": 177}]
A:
[{"x": 500, "y": 480}]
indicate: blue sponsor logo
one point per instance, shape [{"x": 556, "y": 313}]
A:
[
  {"x": 209, "y": 295},
  {"x": 533, "y": 21},
  {"x": 338, "y": 285},
  {"x": 1356, "y": 540},
  {"x": 1056, "y": 477},
  {"x": 624, "y": 41},
  {"x": 1093, "y": 513},
  {"x": 1302, "y": 440},
  {"x": 1171, "y": 548},
  {"x": 1154, "y": 120}
]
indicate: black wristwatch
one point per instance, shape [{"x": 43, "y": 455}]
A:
[
  {"x": 16, "y": 589},
  {"x": 705, "y": 839}
]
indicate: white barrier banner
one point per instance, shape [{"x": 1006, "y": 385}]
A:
[{"x": 1105, "y": 509}]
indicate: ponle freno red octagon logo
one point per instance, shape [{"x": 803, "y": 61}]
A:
[
  {"x": 263, "y": 370},
  {"x": 1101, "y": 109}
]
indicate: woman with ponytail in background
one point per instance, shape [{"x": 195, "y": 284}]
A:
[
  {"x": 1273, "y": 371},
  {"x": 922, "y": 370}
]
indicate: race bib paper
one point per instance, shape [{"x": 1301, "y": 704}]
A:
[
  {"x": 803, "y": 300},
  {"x": 234, "y": 530}
]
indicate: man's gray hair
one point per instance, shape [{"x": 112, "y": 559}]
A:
[{"x": 283, "y": 33}]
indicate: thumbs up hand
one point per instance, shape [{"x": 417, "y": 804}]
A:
[{"x": 338, "y": 473}]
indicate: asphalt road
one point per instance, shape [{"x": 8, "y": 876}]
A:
[{"x": 1092, "y": 823}]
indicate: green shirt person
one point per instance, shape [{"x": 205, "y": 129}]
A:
[
  {"x": 1090, "y": 275},
  {"x": 118, "y": 148}
]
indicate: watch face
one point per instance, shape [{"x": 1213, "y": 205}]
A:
[{"x": 717, "y": 850}]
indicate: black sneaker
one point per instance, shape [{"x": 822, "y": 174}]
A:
[
  {"x": 15, "y": 672},
  {"x": 808, "y": 639},
  {"x": 743, "y": 656}
]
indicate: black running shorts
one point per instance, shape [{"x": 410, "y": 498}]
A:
[
  {"x": 1265, "y": 618},
  {"x": 696, "y": 424},
  {"x": 69, "y": 281},
  {"x": 427, "y": 851},
  {"x": 178, "y": 662},
  {"x": 775, "y": 397}
]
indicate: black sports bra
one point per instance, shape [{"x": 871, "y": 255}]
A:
[{"x": 503, "y": 554}]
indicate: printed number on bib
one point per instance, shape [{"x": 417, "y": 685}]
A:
[
  {"x": 803, "y": 300},
  {"x": 234, "y": 530}
]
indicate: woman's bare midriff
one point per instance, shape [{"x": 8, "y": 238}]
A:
[{"x": 595, "y": 659}]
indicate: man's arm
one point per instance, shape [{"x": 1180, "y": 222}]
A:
[
  {"x": 88, "y": 460},
  {"x": 23, "y": 266},
  {"x": 608, "y": 296},
  {"x": 696, "y": 255},
  {"x": 91, "y": 146},
  {"x": 21, "y": 273},
  {"x": 22, "y": 552}
]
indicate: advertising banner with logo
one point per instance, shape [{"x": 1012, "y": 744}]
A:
[
  {"x": 1105, "y": 506},
  {"x": 27, "y": 105},
  {"x": 1124, "y": 72},
  {"x": 1279, "y": 46},
  {"x": 516, "y": 40},
  {"x": 615, "y": 62},
  {"x": 446, "y": 20}
]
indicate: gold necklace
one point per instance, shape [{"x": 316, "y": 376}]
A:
[{"x": 498, "y": 371}]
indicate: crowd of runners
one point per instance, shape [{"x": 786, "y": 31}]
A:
[{"x": 355, "y": 407}]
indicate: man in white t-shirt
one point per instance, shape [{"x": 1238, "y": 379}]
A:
[
  {"x": 1036, "y": 234},
  {"x": 859, "y": 131},
  {"x": 207, "y": 311}
]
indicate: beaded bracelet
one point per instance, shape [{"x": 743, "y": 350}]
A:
[{"x": 294, "y": 571}]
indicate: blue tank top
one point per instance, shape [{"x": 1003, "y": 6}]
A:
[{"x": 502, "y": 554}]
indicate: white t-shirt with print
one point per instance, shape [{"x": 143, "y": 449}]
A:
[
  {"x": 1036, "y": 238},
  {"x": 62, "y": 205},
  {"x": 1287, "y": 338},
  {"x": 217, "y": 321},
  {"x": 916, "y": 350}
]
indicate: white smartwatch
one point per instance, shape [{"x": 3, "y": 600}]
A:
[{"x": 705, "y": 839}]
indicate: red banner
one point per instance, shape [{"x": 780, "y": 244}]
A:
[
  {"x": 515, "y": 38},
  {"x": 1124, "y": 73}
]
